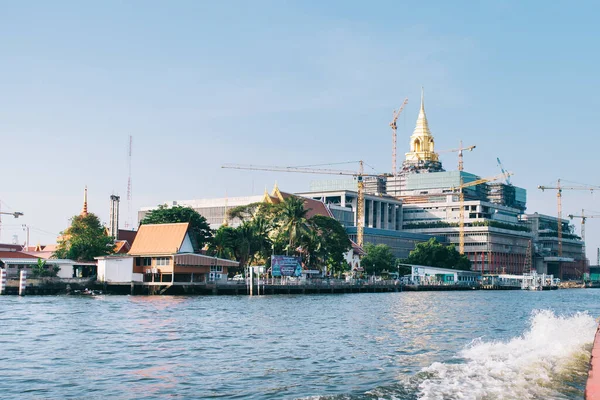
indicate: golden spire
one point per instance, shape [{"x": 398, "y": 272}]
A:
[
  {"x": 422, "y": 127},
  {"x": 421, "y": 141},
  {"x": 84, "y": 211}
]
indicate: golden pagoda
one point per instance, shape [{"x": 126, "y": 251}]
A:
[{"x": 421, "y": 141}]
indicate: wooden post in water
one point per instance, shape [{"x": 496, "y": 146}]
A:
[
  {"x": 2, "y": 281},
  {"x": 22, "y": 282},
  {"x": 251, "y": 273}
]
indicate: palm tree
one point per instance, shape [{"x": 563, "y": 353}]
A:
[
  {"x": 222, "y": 243},
  {"x": 261, "y": 243},
  {"x": 312, "y": 246},
  {"x": 294, "y": 223}
]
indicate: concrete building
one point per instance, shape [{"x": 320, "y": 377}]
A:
[
  {"x": 381, "y": 212},
  {"x": 567, "y": 263},
  {"x": 495, "y": 240},
  {"x": 214, "y": 210},
  {"x": 382, "y": 222}
]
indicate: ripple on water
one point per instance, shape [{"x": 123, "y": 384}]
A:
[{"x": 367, "y": 346}]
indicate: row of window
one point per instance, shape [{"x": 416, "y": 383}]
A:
[{"x": 147, "y": 261}]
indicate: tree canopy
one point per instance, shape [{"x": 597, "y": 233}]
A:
[
  {"x": 282, "y": 228},
  {"x": 200, "y": 232},
  {"x": 85, "y": 239},
  {"x": 434, "y": 254},
  {"x": 379, "y": 258}
]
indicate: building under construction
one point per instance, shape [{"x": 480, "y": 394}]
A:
[
  {"x": 491, "y": 229},
  {"x": 484, "y": 218},
  {"x": 420, "y": 200}
]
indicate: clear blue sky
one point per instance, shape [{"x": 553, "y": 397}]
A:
[{"x": 199, "y": 84}]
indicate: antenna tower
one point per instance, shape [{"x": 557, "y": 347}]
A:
[{"x": 129, "y": 222}]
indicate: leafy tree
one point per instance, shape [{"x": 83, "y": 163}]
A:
[
  {"x": 84, "y": 239},
  {"x": 333, "y": 243},
  {"x": 294, "y": 224},
  {"x": 379, "y": 258},
  {"x": 200, "y": 232},
  {"x": 434, "y": 254},
  {"x": 39, "y": 270},
  {"x": 222, "y": 243}
]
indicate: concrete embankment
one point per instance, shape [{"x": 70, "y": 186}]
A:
[{"x": 592, "y": 387}]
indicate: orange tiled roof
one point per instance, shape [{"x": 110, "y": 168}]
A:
[
  {"x": 314, "y": 207},
  {"x": 121, "y": 246},
  {"x": 159, "y": 239},
  {"x": 50, "y": 247}
]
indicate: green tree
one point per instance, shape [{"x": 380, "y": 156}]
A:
[
  {"x": 39, "y": 270},
  {"x": 434, "y": 254},
  {"x": 294, "y": 224},
  {"x": 333, "y": 243},
  {"x": 200, "y": 232},
  {"x": 222, "y": 243},
  {"x": 84, "y": 239},
  {"x": 379, "y": 258}
]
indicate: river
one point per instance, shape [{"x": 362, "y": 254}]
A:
[{"x": 412, "y": 345}]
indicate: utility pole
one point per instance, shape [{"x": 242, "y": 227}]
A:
[{"x": 26, "y": 229}]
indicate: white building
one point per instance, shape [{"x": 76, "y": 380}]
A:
[{"x": 117, "y": 269}]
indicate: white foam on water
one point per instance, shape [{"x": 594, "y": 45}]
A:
[{"x": 527, "y": 367}]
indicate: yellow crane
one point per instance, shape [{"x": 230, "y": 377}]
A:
[
  {"x": 360, "y": 211},
  {"x": 460, "y": 150},
  {"x": 559, "y": 188},
  {"x": 396, "y": 114},
  {"x": 461, "y": 223},
  {"x": 583, "y": 218}
]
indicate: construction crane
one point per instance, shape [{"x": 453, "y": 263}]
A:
[
  {"x": 396, "y": 114},
  {"x": 360, "y": 212},
  {"x": 503, "y": 171},
  {"x": 460, "y": 150},
  {"x": 583, "y": 218},
  {"x": 15, "y": 214},
  {"x": 559, "y": 188},
  {"x": 461, "y": 223}
]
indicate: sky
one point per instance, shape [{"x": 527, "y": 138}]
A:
[{"x": 198, "y": 84}]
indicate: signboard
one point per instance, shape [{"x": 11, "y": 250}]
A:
[{"x": 286, "y": 266}]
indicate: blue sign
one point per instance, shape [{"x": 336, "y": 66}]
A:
[{"x": 286, "y": 266}]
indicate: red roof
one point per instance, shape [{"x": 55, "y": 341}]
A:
[
  {"x": 357, "y": 249},
  {"x": 127, "y": 235},
  {"x": 10, "y": 247},
  {"x": 15, "y": 254},
  {"x": 313, "y": 207}
]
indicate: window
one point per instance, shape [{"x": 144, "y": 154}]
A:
[
  {"x": 216, "y": 268},
  {"x": 163, "y": 261}
]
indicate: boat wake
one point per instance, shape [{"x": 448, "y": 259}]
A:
[
  {"x": 546, "y": 362},
  {"x": 549, "y": 361}
]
